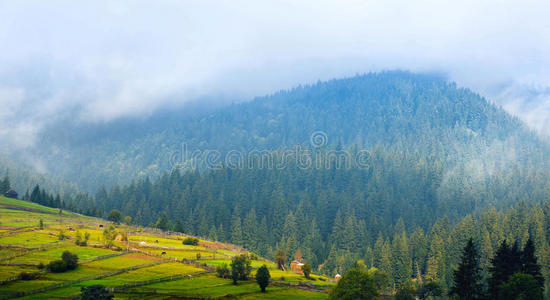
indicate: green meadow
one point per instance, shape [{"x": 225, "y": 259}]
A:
[{"x": 149, "y": 265}]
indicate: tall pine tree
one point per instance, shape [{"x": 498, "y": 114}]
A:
[
  {"x": 530, "y": 264},
  {"x": 467, "y": 278}
]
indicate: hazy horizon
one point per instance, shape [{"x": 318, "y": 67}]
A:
[{"x": 99, "y": 61}]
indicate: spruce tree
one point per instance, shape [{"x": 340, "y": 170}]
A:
[
  {"x": 501, "y": 269},
  {"x": 530, "y": 264},
  {"x": 467, "y": 278},
  {"x": 402, "y": 266},
  {"x": 4, "y": 185},
  {"x": 262, "y": 277}
]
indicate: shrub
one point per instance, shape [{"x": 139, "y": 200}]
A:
[
  {"x": 223, "y": 271},
  {"x": 356, "y": 284},
  {"x": 27, "y": 276},
  {"x": 78, "y": 238},
  {"x": 57, "y": 266},
  {"x": 198, "y": 256},
  {"x": 406, "y": 292},
  {"x": 41, "y": 266},
  {"x": 95, "y": 292},
  {"x": 114, "y": 216},
  {"x": 253, "y": 256},
  {"x": 262, "y": 277},
  {"x": 70, "y": 260},
  {"x": 109, "y": 235},
  {"x": 240, "y": 268},
  {"x": 306, "y": 268},
  {"x": 191, "y": 241}
]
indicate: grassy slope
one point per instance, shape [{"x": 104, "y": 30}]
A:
[{"x": 23, "y": 246}]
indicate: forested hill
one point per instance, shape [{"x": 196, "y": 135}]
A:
[
  {"x": 436, "y": 153},
  {"x": 421, "y": 114}
]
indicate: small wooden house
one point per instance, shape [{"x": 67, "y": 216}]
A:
[
  {"x": 296, "y": 267},
  {"x": 11, "y": 194}
]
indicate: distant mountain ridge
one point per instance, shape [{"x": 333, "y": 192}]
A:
[{"x": 419, "y": 113}]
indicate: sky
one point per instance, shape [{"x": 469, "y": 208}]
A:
[{"x": 96, "y": 61}]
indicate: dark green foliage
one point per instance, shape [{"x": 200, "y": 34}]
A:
[
  {"x": 502, "y": 268},
  {"x": 223, "y": 271},
  {"x": 163, "y": 223},
  {"x": 406, "y": 292},
  {"x": 114, "y": 216},
  {"x": 436, "y": 153},
  {"x": 429, "y": 289},
  {"x": 4, "y": 185},
  {"x": 70, "y": 260},
  {"x": 41, "y": 224},
  {"x": 95, "y": 292},
  {"x": 178, "y": 227},
  {"x": 57, "y": 266},
  {"x": 240, "y": 268},
  {"x": 520, "y": 286},
  {"x": 355, "y": 284},
  {"x": 467, "y": 278},
  {"x": 27, "y": 276},
  {"x": 262, "y": 277},
  {"x": 190, "y": 241},
  {"x": 530, "y": 264},
  {"x": 41, "y": 197},
  {"x": 306, "y": 268},
  {"x": 516, "y": 274}
]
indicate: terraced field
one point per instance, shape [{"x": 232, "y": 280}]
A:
[{"x": 149, "y": 265}]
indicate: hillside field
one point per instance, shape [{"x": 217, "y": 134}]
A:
[{"x": 149, "y": 264}]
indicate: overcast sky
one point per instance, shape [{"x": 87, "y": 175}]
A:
[{"x": 102, "y": 60}]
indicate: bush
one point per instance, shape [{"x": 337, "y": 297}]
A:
[
  {"x": 41, "y": 266},
  {"x": 191, "y": 241},
  {"x": 262, "y": 277},
  {"x": 406, "y": 292},
  {"x": 70, "y": 260},
  {"x": 114, "y": 216},
  {"x": 57, "y": 266},
  {"x": 198, "y": 256},
  {"x": 223, "y": 271},
  {"x": 306, "y": 268},
  {"x": 27, "y": 276},
  {"x": 240, "y": 268},
  {"x": 95, "y": 292},
  {"x": 520, "y": 286},
  {"x": 356, "y": 284}
]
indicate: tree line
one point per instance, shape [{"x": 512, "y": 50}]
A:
[{"x": 333, "y": 217}]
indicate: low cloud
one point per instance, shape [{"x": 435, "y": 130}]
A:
[{"x": 97, "y": 61}]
